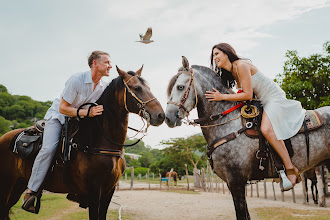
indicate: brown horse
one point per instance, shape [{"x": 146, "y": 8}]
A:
[
  {"x": 91, "y": 176},
  {"x": 174, "y": 175}
]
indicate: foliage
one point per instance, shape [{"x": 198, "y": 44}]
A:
[
  {"x": 149, "y": 156},
  {"x": 19, "y": 111},
  {"x": 190, "y": 151},
  {"x": 139, "y": 170},
  {"x": 307, "y": 79},
  {"x": 4, "y": 125}
]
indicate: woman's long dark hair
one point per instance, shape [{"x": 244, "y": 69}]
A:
[{"x": 226, "y": 77}]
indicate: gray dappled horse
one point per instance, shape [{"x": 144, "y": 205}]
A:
[{"x": 234, "y": 161}]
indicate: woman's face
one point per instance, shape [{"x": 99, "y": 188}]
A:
[{"x": 219, "y": 57}]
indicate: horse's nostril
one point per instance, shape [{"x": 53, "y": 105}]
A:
[
  {"x": 167, "y": 120},
  {"x": 161, "y": 116}
]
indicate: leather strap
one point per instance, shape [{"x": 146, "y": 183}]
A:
[{"x": 307, "y": 140}]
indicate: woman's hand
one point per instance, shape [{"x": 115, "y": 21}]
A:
[{"x": 214, "y": 96}]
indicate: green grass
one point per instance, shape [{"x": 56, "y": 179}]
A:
[
  {"x": 181, "y": 183},
  {"x": 53, "y": 205},
  {"x": 291, "y": 214}
]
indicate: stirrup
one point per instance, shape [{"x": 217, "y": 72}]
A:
[
  {"x": 28, "y": 203},
  {"x": 285, "y": 183}
]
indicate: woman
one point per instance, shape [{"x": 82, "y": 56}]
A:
[{"x": 281, "y": 119}]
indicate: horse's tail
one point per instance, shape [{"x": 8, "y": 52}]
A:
[{"x": 175, "y": 176}]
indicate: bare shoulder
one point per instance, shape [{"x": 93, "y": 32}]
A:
[{"x": 246, "y": 66}]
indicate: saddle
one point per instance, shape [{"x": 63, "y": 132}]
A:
[
  {"x": 28, "y": 143},
  {"x": 312, "y": 118}
]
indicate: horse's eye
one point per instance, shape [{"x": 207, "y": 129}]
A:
[
  {"x": 180, "y": 87},
  {"x": 138, "y": 88}
]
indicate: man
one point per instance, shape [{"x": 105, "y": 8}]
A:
[{"x": 79, "y": 89}]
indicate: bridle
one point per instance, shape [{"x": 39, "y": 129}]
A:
[
  {"x": 197, "y": 122},
  {"x": 141, "y": 104},
  {"x": 142, "y": 110},
  {"x": 186, "y": 93}
]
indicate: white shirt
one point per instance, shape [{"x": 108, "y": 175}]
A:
[{"x": 78, "y": 90}]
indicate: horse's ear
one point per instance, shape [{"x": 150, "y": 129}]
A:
[
  {"x": 139, "y": 71},
  {"x": 121, "y": 73},
  {"x": 185, "y": 63}
]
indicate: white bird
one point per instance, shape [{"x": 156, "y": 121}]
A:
[{"x": 146, "y": 37}]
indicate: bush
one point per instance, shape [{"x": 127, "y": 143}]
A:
[{"x": 139, "y": 170}]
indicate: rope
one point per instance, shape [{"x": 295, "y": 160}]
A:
[
  {"x": 254, "y": 112},
  {"x": 244, "y": 113}
]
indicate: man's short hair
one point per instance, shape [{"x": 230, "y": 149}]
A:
[{"x": 95, "y": 55}]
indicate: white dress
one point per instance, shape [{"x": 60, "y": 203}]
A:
[{"x": 286, "y": 115}]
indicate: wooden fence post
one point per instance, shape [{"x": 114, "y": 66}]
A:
[
  {"x": 251, "y": 189},
  {"x": 168, "y": 180},
  {"x": 265, "y": 189},
  {"x": 132, "y": 177},
  {"x": 293, "y": 196},
  {"x": 273, "y": 190},
  {"x": 187, "y": 176},
  {"x": 216, "y": 184},
  {"x": 303, "y": 188},
  {"x": 257, "y": 188},
  {"x": 203, "y": 179},
  {"x": 223, "y": 186},
  {"x": 148, "y": 179}
]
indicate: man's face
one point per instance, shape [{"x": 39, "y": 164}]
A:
[{"x": 103, "y": 65}]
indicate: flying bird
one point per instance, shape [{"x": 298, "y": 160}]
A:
[{"x": 146, "y": 37}]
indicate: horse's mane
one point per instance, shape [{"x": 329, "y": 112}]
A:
[
  {"x": 202, "y": 70},
  {"x": 115, "y": 86},
  {"x": 89, "y": 129}
]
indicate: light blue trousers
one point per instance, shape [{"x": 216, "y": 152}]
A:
[{"x": 45, "y": 156}]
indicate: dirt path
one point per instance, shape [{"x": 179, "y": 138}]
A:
[
  {"x": 162, "y": 204},
  {"x": 158, "y": 205}
]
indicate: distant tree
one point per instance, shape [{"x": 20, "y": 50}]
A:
[
  {"x": 191, "y": 150},
  {"x": 146, "y": 159},
  {"x": 307, "y": 79},
  {"x": 3, "y": 89},
  {"x": 4, "y": 125},
  {"x": 14, "y": 112}
]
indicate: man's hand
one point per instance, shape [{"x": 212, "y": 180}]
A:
[{"x": 96, "y": 110}]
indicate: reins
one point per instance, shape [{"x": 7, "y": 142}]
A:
[
  {"x": 214, "y": 117},
  {"x": 142, "y": 110}
]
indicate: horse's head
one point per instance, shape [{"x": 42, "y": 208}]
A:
[
  {"x": 139, "y": 99},
  {"x": 182, "y": 96}
]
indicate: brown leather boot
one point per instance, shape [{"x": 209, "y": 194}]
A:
[{"x": 28, "y": 202}]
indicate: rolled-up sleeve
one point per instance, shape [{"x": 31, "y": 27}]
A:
[{"x": 70, "y": 91}]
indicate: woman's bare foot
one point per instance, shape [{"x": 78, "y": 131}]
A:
[{"x": 293, "y": 175}]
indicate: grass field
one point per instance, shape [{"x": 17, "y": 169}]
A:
[{"x": 56, "y": 206}]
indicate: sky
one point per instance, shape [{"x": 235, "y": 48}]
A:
[{"x": 44, "y": 42}]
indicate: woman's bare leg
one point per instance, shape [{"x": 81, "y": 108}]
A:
[{"x": 279, "y": 146}]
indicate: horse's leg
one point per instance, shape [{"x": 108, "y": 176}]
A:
[
  {"x": 18, "y": 189},
  {"x": 306, "y": 189},
  {"x": 93, "y": 202},
  {"x": 238, "y": 193},
  {"x": 320, "y": 184},
  {"x": 104, "y": 204},
  {"x": 6, "y": 188},
  {"x": 314, "y": 183}
]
